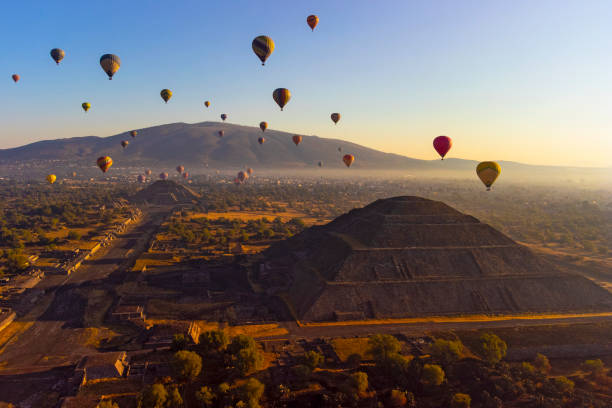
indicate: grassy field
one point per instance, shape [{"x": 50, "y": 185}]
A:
[
  {"x": 345, "y": 347},
  {"x": 256, "y": 215}
]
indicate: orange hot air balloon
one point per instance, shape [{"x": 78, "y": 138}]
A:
[
  {"x": 133, "y": 133},
  {"x": 261, "y": 140},
  {"x": 263, "y": 126},
  {"x": 281, "y": 96},
  {"x": 335, "y": 117},
  {"x": 163, "y": 176},
  {"x": 242, "y": 176},
  {"x": 348, "y": 159},
  {"x": 148, "y": 172},
  {"x": 185, "y": 175},
  {"x": 104, "y": 163},
  {"x": 15, "y": 77},
  {"x": 297, "y": 139},
  {"x": 249, "y": 171},
  {"x": 180, "y": 169},
  {"x": 124, "y": 143},
  {"x": 221, "y": 133},
  {"x": 223, "y": 116},
  {"x": 312, "y": 21},
  {"x": 442, "y": 144},
  {"x": 207, "y": 104}
]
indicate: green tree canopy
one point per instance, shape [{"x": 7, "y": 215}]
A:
[
  {"x": 381, "y": 346},
  {"x": 187, "y": 365},
  {"x": 154, "y": 396},
  {"x": 492, "y": 348},
  {"x": 432, "y": 374},
  {"x": 460, "y": 400},
  {"x": 312, "y": 359},
  {"x": 446, "y": 351},
  {"x": 214, "y": 340}
]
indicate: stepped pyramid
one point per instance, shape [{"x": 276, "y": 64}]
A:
[
  {"x": 165, "y": 192},
  {"x": 409, "y": 256}
]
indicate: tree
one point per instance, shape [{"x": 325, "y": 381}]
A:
[
  {"x": 312, "y": 359},
  {"x": 251, "y": 392},
  {"x": 179, "y": 342},
  {"x": 359, "y": 381},
  {"x": 563, "y": 385},
  {"x": 460, "y": 400},
  {"x": 187, "y": 365},
  {"x": 432, "y": 374},
  {"x": 154, "y": 396},
  {"x": 542, "y": 364},
  {"x": 174, "y": 399},
  {"x": 397, "y": 399},
  {"x": 381, "y": 346},
  {"x": 446, "y": 351},
  {"x": 492, "y": 348},
  {"x": 596, "y": 368},
  {"x": 215, "y": 340},
  {"x": 240, "y": 342},
  {"x": 205, "y": 396},
  {"x": 16, "y": 261},
  {"x": 247, "y": 360},
  {"x": 107, "y": 404}
]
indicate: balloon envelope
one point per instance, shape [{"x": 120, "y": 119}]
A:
[
  {"x": 163, "y": 176},
  {"x": 15, "y": 77},
  {"x": 207, "y": 104},
  {"x": 223, "y": 116},
  {"x": 180, "y": 169},
  {"x": 221, "y": 133},
  {"x": 57, "y": 55},
  {"x": 488, "y": 172},
  {"x": 124, "y": 143},
  {"x": 86, "y": 106},
  {"x": 166, "y": 94},
  {"x": 335, "y": 117},
  {"x": 281, "y": 96},
  {"x": 442, "y": 144},
  {"x": 297, "y": 139},
  {"x": 148, "y": 172},
  {"x": 348, "y": 159},
  {"x": 312, "y": 21},
  {"x": 261, "y": 140},
  {"x": 104, "y": 163},
  {"x": 133, "y": 133},
  {"x": 110, "y": 63},
  {"x": 51, "y": 178},
  {"x": 263, "y": 126},
  {"x": 263, "y": 46}
]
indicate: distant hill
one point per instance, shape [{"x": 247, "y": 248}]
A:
[
  {"x": 409, "y": 256},
  {"x": 198, "y": 144}
]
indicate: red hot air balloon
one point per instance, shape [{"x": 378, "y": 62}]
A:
[
  {"x": 297, "y": 139},
  {"x": 348, "y": 159},
  {"x": 442, "y": 144},
  {"x": 15, "y": 77},
  {"x": 312, "y": 21},
  {"x": 261, "y": 140}
]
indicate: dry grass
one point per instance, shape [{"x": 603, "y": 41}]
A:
[
  {"x": 257, "y": 330},
  {"x": 345, "y": 347}
]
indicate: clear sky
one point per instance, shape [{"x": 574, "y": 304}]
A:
[{"x": 520, "y": 80}]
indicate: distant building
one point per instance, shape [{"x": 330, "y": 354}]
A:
[
  {"x": 128, "y": 312},
  {"x": 101, "y": 367}
]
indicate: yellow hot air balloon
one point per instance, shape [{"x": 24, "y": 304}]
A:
[
  {"x": 488, "y": 172},
  {"x": 51, "y": 178},
  {"x": 263, "y": 47},
  {"x": 281, "y": 96},
  {"x": 110, "y": 63},
  {"x": 86, "y": 106},
  {"x": 166, "y": 94},
  {"x": 104, "y": 163},
  {"x": 207, "y": 104}
]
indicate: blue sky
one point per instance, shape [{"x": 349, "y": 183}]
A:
[{"x": 527, "y": 81}]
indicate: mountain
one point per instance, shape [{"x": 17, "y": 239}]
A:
[
  {"x": 194, "y": 145},
  {"x": 409, "y": 256}
]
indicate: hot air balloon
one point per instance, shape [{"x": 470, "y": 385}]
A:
[
  {"x": 249, "y": 171},
  {"x": 163, "y": 176},
  {"x": 335, "y": 117},
  {"x": 207, "y": 104},
  {"x": 180, "y": 169},
  {"x": 124, "y": 143},
  {"x": 141, "y": 178},
  {"x": 86, "y": 106},
  {"x": 223, "y": 117},
  {"x": 320, "y": 164},
  {"x": 51, "y": 178},
  {"x": 261, "y": 140},
  {"x": 242, "y": 176},
  {"x": 281, "y": 96},
  {"x": 348, "y": 159},
  {"x": 133, "y": 133},
  {"x": 185, "y": 175},
  {"x": 74, "y": 174},
  {"x": 488, "y": 172},
  {"x": 166, "y": 94},
  {"x": 57, "y": 55},
  {"x": 221, "y": 133},
  {"x": 148, "y": 172},
  {"x": 263, "y": 47},
  {"x": 104, "y": 163},
  {"x": 442, "y": 144},
  {"x": 15, "y": 77},
  {"x": 263, "y": 126},
  {"x": 312, "y": 21},
  {"x": 297, "y": 139},
  {"x": 110, "y": 63}
]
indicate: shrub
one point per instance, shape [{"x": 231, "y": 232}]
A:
[
  {"x": 187, "y": 365},
  {"x": 432, "y": 374},
  {"x": 461, "y": 401},
  {"x": 492, "y": 348},
  {"x": 312, "y": 359}
]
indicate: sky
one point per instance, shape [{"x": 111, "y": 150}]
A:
[{"x": 522, "y": 80}]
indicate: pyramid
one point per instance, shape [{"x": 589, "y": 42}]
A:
[
  {"x": 165, "y": 192},
  {"x": 408, "y": 257}
]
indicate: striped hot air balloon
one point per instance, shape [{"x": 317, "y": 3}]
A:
[
  {"x": 281, "y": 96},
  {"x": 86, "y": 106},
  {"x": 110, "y": 63},
  {"x": 166, "y": 94},
  {"x": 488, "y": 172},
  {"x": 261, "y": 140},
  {"x": 312, "y": 21},
  {"x": 207, "y": 104},
  {"x": 57, "y": 55},
  {"x": 297, "y": 139},
  {"x": 263, "y": 46},
  {"x": 348, "y": 159},
  {"x": 104, "y": 163}
]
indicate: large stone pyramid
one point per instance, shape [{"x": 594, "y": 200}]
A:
[
  {"x": 409, "y": 256},
  {"x": 165, "y": 192}
]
